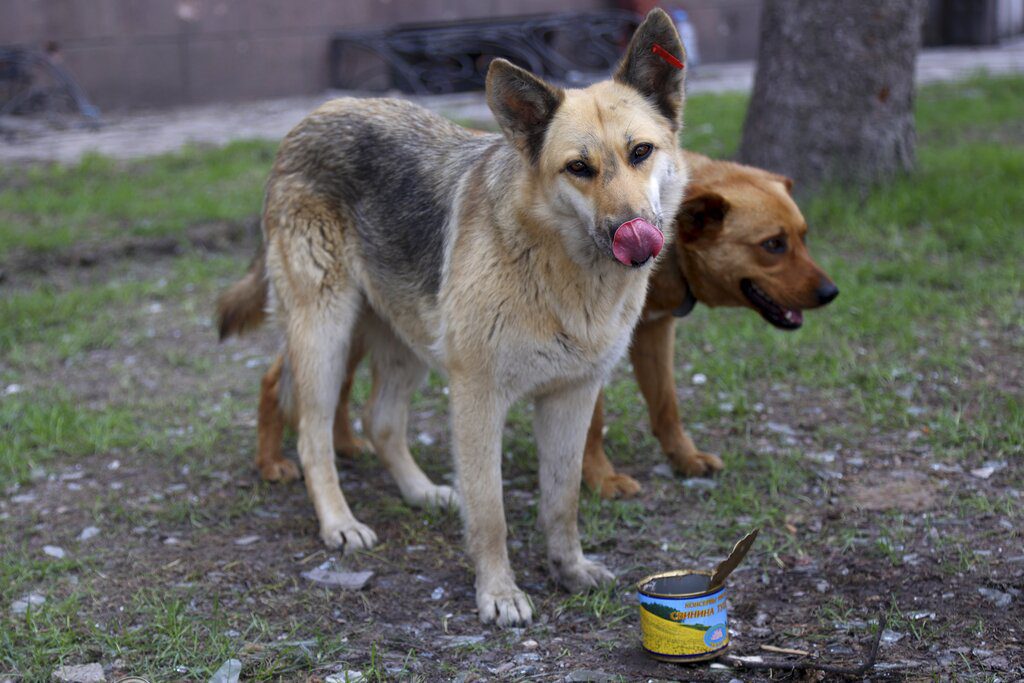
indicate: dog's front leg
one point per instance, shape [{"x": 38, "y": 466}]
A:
[
  {"x": 652, "y": 356},
  {"x": 560, "y": 423},
  {"x": 478, "y": 414}
]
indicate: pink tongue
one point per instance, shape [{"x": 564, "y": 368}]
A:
[{"x": 636, "y": 241}]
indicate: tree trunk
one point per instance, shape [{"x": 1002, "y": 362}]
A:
[{"x": 834, "y": 91}]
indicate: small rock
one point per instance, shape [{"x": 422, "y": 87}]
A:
[
  {"x": 347, "y": 676},
  {"x": 998, "y": 663},
  {"x": 530, "y": 644},
  {"x": 780, "y": 428},
  {"x": 54, "y": 551},
  {"x": 12, "y": 389},
  {"x": 824, "y": 457},
  {"x": 228, "y": 672},
  {"x": 80, "y": 673},
  {"x": 113, "y": 465},
  {"x": 996, "y": 597},
  {"x": 822, "y": 586},
  {"x": 460, "y": 641},
  {"x": 700, "y": 483},
  {"x": 246, "y": 540},
  {"x": 761, "y": 619},
  {"x": 988, "y": 469},
  {"x": 21, "y": 605},
  {"x": 437, "y": 593},
  {"x": 889, "y": 636},
  {"x": 352, "y": 581},
  {"x": 527, "y": 657},
  {"x": 23, "y": 498},
  {"x": 699, "y": 378},
  {"x": 663, "y": 470},
  {"x": 425, "y": 439},
  {"x": 590, "y": 676},
  {"x": 88, "y": 532}
]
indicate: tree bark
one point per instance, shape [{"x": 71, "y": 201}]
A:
[{"x": 833, "y": 95}]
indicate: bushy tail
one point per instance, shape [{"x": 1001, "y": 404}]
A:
[{"x": 243, "y": 306}]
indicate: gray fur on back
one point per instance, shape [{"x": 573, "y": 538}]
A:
[{"x": 394, "y": 169}]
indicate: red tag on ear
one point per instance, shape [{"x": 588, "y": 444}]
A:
[{"x": 666, "y": 55}]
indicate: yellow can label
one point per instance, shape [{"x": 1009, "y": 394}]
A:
[{"x": 684, "y": 626}]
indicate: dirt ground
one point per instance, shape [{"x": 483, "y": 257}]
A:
[{"x": 858, "y": 526}]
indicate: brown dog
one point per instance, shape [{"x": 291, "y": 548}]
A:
[{"x": 740, "y": 242}]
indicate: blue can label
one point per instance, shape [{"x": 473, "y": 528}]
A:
[{"x": 716, "y": 635}]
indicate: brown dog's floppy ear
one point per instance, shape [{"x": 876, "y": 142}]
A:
[
  {"x": 785, "y": 180},
  {"x": 654, "y": 75},
  {"x": 523, "y": 105},
  {"x": 702, "y": 214}
]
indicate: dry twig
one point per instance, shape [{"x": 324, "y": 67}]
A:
[{"x": 870, "y": 655}]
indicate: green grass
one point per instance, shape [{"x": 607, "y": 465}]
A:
[
  {"x": 154, "y": 629},
  {"x": 98, "y": 199}
]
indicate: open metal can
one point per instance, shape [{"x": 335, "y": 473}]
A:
[{"x": 681, "y": 620}]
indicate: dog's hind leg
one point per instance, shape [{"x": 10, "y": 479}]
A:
[
  {"x": 319, "y": 333},
  {"x": 560, "y": 424},
  {"x": 346, "y": 442},
  {"x": 397, "y": 373},
  {"x": 270, "y": 461}
]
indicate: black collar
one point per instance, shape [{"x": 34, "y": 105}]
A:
[{"x": 689, "y": 302}]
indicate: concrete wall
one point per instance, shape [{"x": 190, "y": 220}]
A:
[{"x": 153, "y": 53}]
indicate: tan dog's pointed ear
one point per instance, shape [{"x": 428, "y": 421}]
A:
[
  {"x": 702, "y": 214},
  {"x": 523, "y": 105},
  {"x": 656, "y": 75}
]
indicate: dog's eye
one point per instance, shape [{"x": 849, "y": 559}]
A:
[
  {"x": 640, "y": 152},
  {"x": 579, "y": 169},
  {"x": 775, "y": 245}
]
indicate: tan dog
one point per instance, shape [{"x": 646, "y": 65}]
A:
[
  {"x": 517, "y": 265},
  {"x": 739, "y": 229}
]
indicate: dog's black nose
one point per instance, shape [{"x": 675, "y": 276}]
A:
[{"x": 827, "y": 291}]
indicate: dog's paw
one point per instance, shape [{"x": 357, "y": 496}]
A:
[
  {"x": 278, "y": 470},
  {"x": 618, "y": 486},
  {"x": 350, "y": 535},
  {"x": 580, "y": 575},
  {"x": 504, "y": 606},
  {"x": 696, "y": 464},
  {"x": 434, "y": 497},
  {"x": 351, "y": 447}
]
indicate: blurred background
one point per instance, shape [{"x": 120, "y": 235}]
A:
[{"x": 131, "y": 54}]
